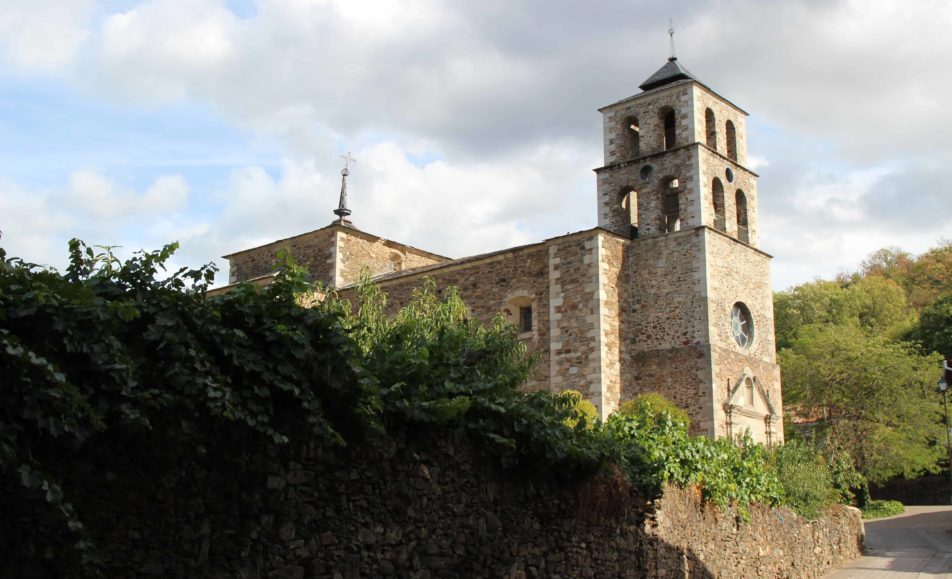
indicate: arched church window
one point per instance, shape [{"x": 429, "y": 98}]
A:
[
  {"x": 740, "y": 200},
  {"x": 628, "y": 199},
  {"x": 632, "y": 137},
  {"x": 711, "y": 126},
  {"x": 671, "y": 207},
  {"x": 670, "y": 132},
  {"x": 731, "y": 141},
  {"x": 717, "y": 194}
]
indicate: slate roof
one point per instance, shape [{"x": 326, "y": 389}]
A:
[{"x": 671, "y": 71}]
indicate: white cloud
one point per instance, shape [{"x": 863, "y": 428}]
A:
[
  {"x": 157, "y": 49},
  {"x": 32, "y": 224},
  {"x": 43, "y": 35},
  {"x": 847, "y": 99},
  {"x": 451, "y": 209},
  {"x": 830, "y": 224},
  {"x": 756, "y": 162},
  {"x": 93, "y": 193},
  {"x": 37, "y": 224},
  {"x": 839, "y": 199}
]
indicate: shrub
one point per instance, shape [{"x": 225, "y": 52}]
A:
[
  {"x": 650, "y": 404},
  {"x": 654, "y": 447},
  {"x": 877, "y": 509},
  {"x": 805, "y": 477},
  {"x": 586, "y": 415},
  {"x": 850, "y": 484}
]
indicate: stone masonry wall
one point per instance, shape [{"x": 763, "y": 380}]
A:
[
  {"x": 666, "y": 335},
  {"x": 614, "y": 288},
  {"x": 702, "y": 99},
  {"x": 737, "y": 273},
  {"x": 698, "y": 541},
  {"x": 572, "y": 313},
  {"x": 649, "y": 108},
  {"x": 714, "y": 166},
  {"x": 432, "y": 505},
  {"x": 359, "y": 253},
  {"x": 487, "y": 286},
  {"x": 335, "y": 255},
  {"x": 314, "y": 250},
  {"x": 668, "y": 274},
  {"x": 614, "y": 181},
  {"x": 575, "y": 316}
]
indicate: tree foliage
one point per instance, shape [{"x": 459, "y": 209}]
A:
[
  {"x": 924, "y": 277},
  {"x": 868, "y": 395},
  {"x": 935, "y": 327},
  {"x": 651, "y": 404},
  {"x": 856, "y": 359},
  {"x": 653, "y": 446},
  {"x": 873, "y": 304},
  {"x": 586, "y": 412},
  {"x": 805, "y": 478}
]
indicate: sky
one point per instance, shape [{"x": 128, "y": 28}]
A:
[{"x": 221, "y": 124}]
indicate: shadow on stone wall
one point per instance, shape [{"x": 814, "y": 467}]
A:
[{"x": 431, "y": 506}]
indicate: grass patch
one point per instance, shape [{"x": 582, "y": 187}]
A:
[{"x": 880, "y": 509}]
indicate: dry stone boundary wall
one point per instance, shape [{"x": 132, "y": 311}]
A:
[{"x": 438, "y": 506}]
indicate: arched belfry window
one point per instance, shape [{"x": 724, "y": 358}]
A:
[
  {"x": 632, "y": 134},
  {"x": 741, "y": 201},
  {"x": 670, "y": 129},
  {"x": 628, "y": 200},
  {"x": 731, "y": 141},
  {"x": 671, "y": 208},
  {"x": 717, "y": 195},
  {"x": 710, "y": 126}
]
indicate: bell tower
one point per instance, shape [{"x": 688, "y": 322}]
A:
[
  {"x": 700, "y": 304},
  {"x": 675, "y": 158}
]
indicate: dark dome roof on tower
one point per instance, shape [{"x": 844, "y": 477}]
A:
[{"x": 671, "y": 71}]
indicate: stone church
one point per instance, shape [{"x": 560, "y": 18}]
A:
[{"x": 669, "y": 293}]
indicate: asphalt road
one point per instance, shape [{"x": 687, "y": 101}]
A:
[{"x": 916, "y": 544}]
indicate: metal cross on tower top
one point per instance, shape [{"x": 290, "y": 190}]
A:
[
  {"x": 347, "y": 160},
  {"x": 671, "y": 39}
]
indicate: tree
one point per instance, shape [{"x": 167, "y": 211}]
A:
[
  {"x": 890, "y": 262},
  {"x": 935, "y": 327},
  {"x": 868, "y": 395},
  {"x": 875, "y": 304},
  {"x": 818, "y": 302},
  {"x": 931, "y": 275},
  {"x": 880, "y": 306}
]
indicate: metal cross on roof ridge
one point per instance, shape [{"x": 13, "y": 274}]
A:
[{"x": 671, "y": 42}]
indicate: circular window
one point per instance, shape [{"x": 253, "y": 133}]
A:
[
  {"x": 729, "y": 174},
  {"x": 742, "y": 325},
  {"x": 645, "y": 172}
]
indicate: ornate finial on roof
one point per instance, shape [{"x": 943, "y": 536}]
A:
[
  {"x": 671, "y": 39},
  {"x": 342, "y": 211}
]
